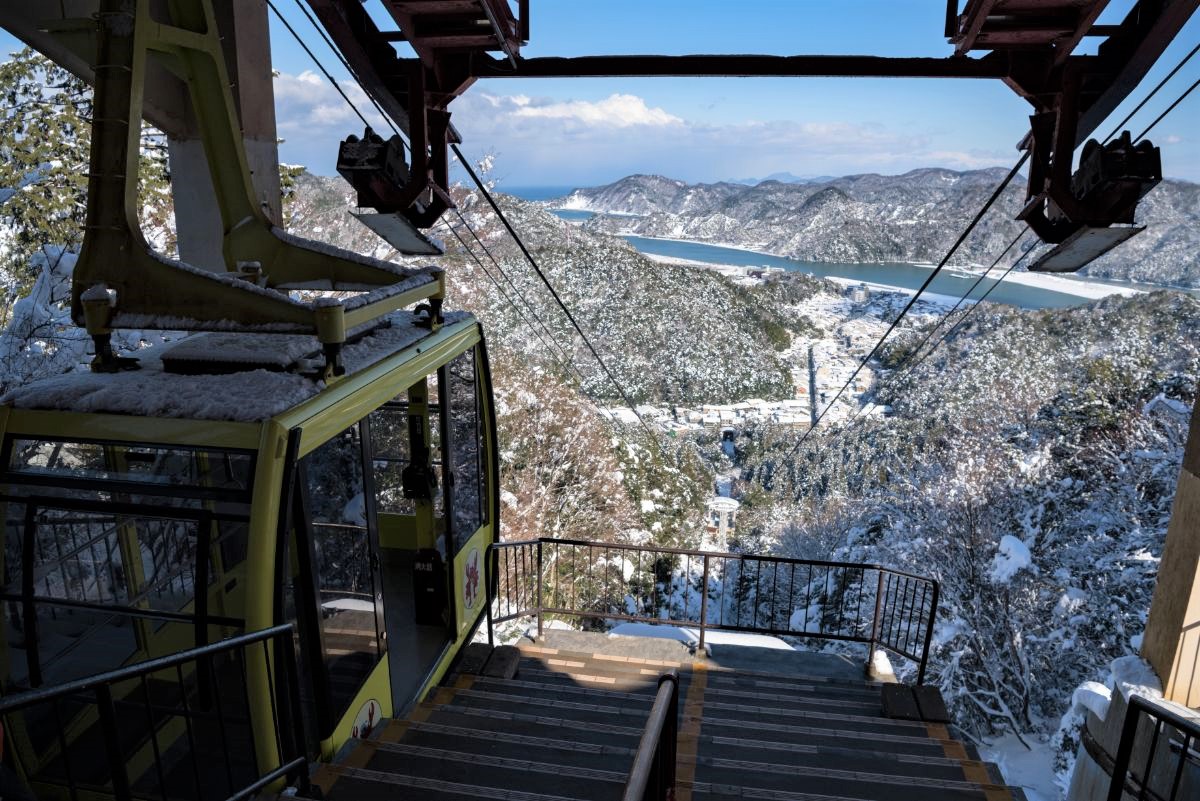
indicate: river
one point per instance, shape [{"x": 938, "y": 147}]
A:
[{"x": 904, "y": 276}]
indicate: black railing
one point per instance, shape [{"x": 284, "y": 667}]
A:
[
  {"x": 1164, "y": 743},
  {"x": 845, "y": 601},
  {"x": 513, "y": 587},
  {"x": 221, "y": 721},
  {"x": 652, "y": 777}
]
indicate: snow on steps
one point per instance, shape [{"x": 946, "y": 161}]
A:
[{"x": 567, "y": 724}]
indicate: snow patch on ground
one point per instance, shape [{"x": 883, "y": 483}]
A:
[
  {"x": 691, "y": 637},
  {"x": 1031, "y": 769}
]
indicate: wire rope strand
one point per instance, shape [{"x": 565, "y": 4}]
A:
[
  {"x": 1117, "y": 128},
  {"x": 317, "y": 61},
  {"x": 553, "y": 347},
  {"x": 1168, "y": 110},
  {"x": 517, "y": 292},
  {"x": 504, "y": 294},
  {"x": 999, "y": 190},
  {"x": 338, "y": 55},
  {"x": 557, "y": 298}
]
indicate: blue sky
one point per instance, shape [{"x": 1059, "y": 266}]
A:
[{"x": 589, "y": 131}]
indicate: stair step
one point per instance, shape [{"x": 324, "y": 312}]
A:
[
  {"x": 782, "y": 686},
  {"x": 539, "y": 775},
  {"x": 547, "y": 689},
  {"x": 362, "y": 784},
  {"x": 558, "y": 658},
  {"x": 471, "y": 741},
  {"x": 720, "y": 711},
  {"x": 610, "y": 659},
  {"x": 717, "y": 670},
  {"x": 571, "y": 710},
  {"x": 623, "y": 682},
  {"x": 866, "y": 707},
  {"x": 708, "y": 791},
  {"x": 819, "y": 753},
  {"x": 849, "y": 781},
  {"x": 504, "y": 722},
  {"x": 567, "y": 725},
  {"x": 797, "y": 701},
  {"x": 865, "y": 701},
  {"x": 751, "y": 730}
]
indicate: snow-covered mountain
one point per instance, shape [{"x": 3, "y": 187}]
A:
[
  {"x": 914, "y": 217},
  {"x": 784, "y": 178},
  {"x": 674, "y": 334}
]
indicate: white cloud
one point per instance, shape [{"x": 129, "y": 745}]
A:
[
  {"x": 541, "y": 140},
  {"x": 581, "y": 139},
  {"x": 620, "y": 111},
  {"x": 307, "y": 104}
]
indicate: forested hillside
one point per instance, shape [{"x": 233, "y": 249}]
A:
[{"x": 912, "y": 217}]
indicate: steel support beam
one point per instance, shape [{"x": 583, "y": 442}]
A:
[
  {"x": 372, "y": 60},
  {"x": 1130, "y": 53},
  {"x": 748, "y": 66}
]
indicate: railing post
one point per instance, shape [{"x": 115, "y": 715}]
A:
[
  {"x": 703, "y": 603},
  {"x": 539, "y": 589},
  {"x": 112, "y": 743},
  {"x": 652, "y": 775},
  {"x": 1125, "y": 750},
  {"x": 875, "y": 621},
  {"x": 671, "y": 735},
  {"x": 491, "y": 566},
  {"x": 928, "y": 635}
]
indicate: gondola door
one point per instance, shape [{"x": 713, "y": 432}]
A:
[{"x": 339, "y": 586}]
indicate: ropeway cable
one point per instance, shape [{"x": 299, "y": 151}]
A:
[
  {"x": 999, "y": 190},
  {"x": 317, "y": 61},
  {"x": 517, "y": 292},
  {"x": 491, "y": 202},
  {"x": 557, "y": 298},
  {"x": 554, "y": 350},
  {"x": 1117, "y": 128},
  {"x": 963, "y": 318}
]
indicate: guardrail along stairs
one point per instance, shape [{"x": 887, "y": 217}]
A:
[{"x": 538, "y": 723}]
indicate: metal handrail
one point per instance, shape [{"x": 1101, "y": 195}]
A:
[
  {"x": 652, "y": 776},
  {"x": 14, "y": 703},
  {"x": 1144, "y": 786},
  {"x": 287, "y": 719},
  {"x": 900, "y": 618}
]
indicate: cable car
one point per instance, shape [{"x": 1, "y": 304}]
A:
[
  {"x": 150, "y": 511},
  {"x": 297, "y": 497}
]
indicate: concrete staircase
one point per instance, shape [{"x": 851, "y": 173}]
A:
[{"x": 540, "y": 723}]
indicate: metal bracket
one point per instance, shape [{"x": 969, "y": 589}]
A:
[{"x": 154, "y": 292}]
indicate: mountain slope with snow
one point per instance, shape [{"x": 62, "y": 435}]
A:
[{"x": 914, "y": 217}]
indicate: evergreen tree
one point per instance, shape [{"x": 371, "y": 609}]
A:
[{"x": 45, "y": 143}]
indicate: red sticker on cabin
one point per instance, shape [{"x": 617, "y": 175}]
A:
[
  {"x": 366, "y": 719},
  {"x": 471, "y": 579}
]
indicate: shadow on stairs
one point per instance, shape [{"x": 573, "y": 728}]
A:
[{"x": 539, "y": 723}]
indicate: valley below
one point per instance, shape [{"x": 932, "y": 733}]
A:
[{"x": 1053, "y": 420}]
